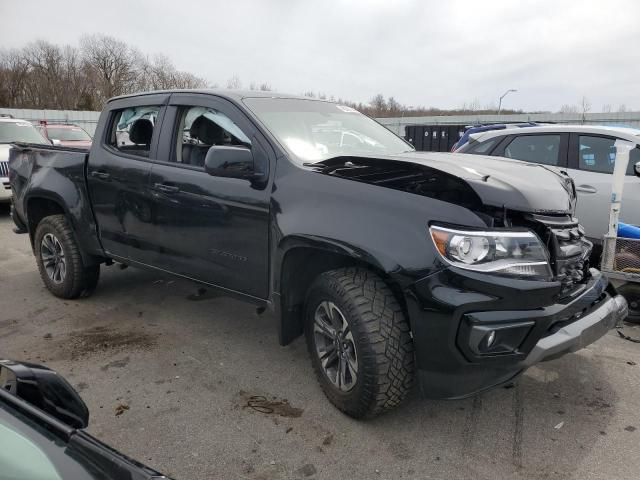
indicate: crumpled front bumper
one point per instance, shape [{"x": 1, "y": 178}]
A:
[
  {"x": 580, "y": 333},
  {"x": 453, "y": 311}
]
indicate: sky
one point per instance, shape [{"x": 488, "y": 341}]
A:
[{"x": 442, "y": 53}]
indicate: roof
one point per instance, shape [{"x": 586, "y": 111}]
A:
[
  {"x": 220, "y": 92},
  {"x": 631, "y": 134},
  {"x": 12, "y": 120}
]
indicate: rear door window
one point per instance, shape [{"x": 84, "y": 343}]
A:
[
  {"x": 132, "y": 129},
  {"x": 598, "y": 154},
  {"x": 544, "y": 149}
]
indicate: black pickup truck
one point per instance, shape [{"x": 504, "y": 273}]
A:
[{"x": 457, "y": 270}]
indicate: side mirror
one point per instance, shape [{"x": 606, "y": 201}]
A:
[
  {"x": 636, "y": 169},
  {"x": 231, "y": 162},
  {"x": 45, "y": 389},
  {"x": 55, "y": 142}
]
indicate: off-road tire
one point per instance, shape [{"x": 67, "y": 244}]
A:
[
  {"x": 79, "y": 280},
  {"x": 631, "y": 292},
  {"x": 381, "y": 335}
]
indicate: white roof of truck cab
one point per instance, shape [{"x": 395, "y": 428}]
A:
[{"x": 630, "y": 134}]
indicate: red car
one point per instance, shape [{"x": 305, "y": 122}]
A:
[{"x": 65, "y": 135}]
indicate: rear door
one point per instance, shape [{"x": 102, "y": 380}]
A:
[
  {"x": 543, "y": 148},
  {"x": 591, "y": 161},
  {"x": 209, "y": 228},
  {"x": 118, "y": 172}
]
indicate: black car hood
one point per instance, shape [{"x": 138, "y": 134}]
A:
[{"x": 498, "y": 182}]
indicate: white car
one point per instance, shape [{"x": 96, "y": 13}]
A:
[
  {"x": 586, "y": 153},
  {"x": 13, "y": 130}
]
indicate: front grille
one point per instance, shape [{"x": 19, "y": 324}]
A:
[
  {"x": 4, "y": 169},
  {"x": 568, "y": 248}
]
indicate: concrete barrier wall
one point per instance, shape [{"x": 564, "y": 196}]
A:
[
  {"x": 88, "y": 119},
  {"x": 84, "y": 118},
  {"x": 628, "y": 119}
]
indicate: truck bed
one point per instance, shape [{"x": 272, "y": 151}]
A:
[{"x": 55, "y": 178}]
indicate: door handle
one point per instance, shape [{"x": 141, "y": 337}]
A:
[
  {"x": 100, "y": 175},
  {"x": 586, "y": 189},
  {"x": 163, "y": 187}
]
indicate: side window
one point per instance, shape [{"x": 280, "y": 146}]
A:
[
  {"x": 543, "y": 149},
  {"x": 131, "y": 129},
  {"x": 598, "y": 154},
  {"x": 200, "y": 128},
  {"x": 483, "y": 147}
]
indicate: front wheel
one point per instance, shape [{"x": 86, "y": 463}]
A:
[
  {"x": 359, "y": 341},
  {"x": 59, "y": 260}
]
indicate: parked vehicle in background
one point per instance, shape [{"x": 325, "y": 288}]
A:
[
  {"x": 65, "y": 134},
  {"x": 13, "y": 130},
  {"x": 42, "y": 431},
  {"x": 586, "y": 153},
  {"x": 488, "y": 128},
  {"x": 393, "y": 263}
]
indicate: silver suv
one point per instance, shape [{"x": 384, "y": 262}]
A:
[
  {"x": 13, "y": 130},
  {"x": 586, "y": 153}
]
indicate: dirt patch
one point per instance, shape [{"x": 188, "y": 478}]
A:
[
  {"x": 105, "y": 339},
  {"x": 116, "y": 364},
  {"x": 120, "y": 409},
  {"x": 269, "y": 405}
]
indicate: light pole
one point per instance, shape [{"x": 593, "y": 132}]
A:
[{"x": 504, "y": 95}]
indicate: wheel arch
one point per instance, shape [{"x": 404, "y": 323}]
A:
[
  {"x": 42, "y": 204},
  {"x": 301, "y": 261}
]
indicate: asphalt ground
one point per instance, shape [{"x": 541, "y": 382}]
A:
[{"x": 195, "y": 385}]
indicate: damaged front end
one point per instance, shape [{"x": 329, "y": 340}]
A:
[
  {"x": 511, "y": 293},
  {"x": 496, "y": 192}
]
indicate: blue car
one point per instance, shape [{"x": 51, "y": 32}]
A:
[{"x": 485, "y": 128}]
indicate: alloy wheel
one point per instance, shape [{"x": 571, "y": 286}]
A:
[
  {"x": 335, "y": 346},
  {"x": 53, "y": 259}
]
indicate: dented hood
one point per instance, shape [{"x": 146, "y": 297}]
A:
[{"x": 501, "y": 182}]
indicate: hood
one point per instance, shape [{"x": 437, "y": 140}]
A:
[
  {"x": 501, "y": 182},
  {"x": 497, "y": 182}
]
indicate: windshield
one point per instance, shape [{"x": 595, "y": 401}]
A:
[
  {"x": 314, "y": 131},
  {"x": 73, "y": 134},
  {"x": 24, "y": 132}
]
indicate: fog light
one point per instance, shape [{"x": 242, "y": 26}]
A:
[{"x": 491, "y": 338}]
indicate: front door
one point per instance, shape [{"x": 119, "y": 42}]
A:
[{"x": 208, "y": 228}]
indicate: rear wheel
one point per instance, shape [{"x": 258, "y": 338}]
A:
[
  {"x": 631, "y": 292},
  {"x": 359, "y": 342},
  {"x": 60, "y": 262}
]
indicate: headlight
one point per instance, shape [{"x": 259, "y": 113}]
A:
[{"x": 516, "y": 254}]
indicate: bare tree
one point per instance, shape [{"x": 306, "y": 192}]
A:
[
  {"x": 14, "y": 71},
  {"x": 567, "y": 108},
  {"x": 378, "y": 104},
  {"x": 114, "y": 65},
  {"x": 622, "y": 108},
  {"x": 394, "y": 107},
  {"x": 234, "y": 83},
  {"x": 606, "y": 108}
]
